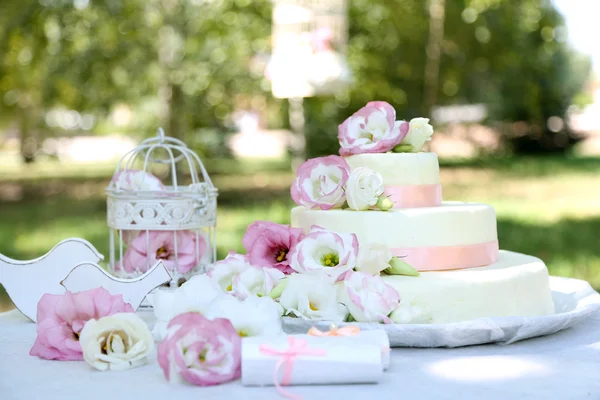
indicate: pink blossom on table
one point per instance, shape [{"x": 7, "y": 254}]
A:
[
  {"x": 372, "y": 129},
  {"x": 269, "y": 244},
  {"x": 201, "y": 351},
  {"x": 368, "y": 297},
  {"x": 320, "y": 183},
  {"x": 61, "y": 317},
  {"x": 161, "y": 246},
  {"x": 323, "y": 252}
]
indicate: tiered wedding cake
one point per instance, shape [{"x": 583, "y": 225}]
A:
[{"x": 454, "y": 245}]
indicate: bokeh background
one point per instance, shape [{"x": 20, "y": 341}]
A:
[{"x": 511, "y": 86}]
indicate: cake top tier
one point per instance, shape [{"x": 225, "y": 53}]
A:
[
  {"x": 365, "y": 177},
  {"x": 374, "y": 129},
  {"x": 400, "y": 169}
]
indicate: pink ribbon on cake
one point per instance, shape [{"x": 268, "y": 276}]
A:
[
  {"x": 298, "y": 347},
  {"x": 439, "y": 258},
  {"x": 415, "y": 196}
]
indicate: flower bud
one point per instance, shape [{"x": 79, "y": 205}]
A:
[
  {"x": 278, "y": 290},
  {"x": 403, "y": 148},
  {"x": 399, "y": 267},
  {"x": 384, "y": 203}
]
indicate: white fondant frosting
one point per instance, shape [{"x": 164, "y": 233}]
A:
[
  {"x": 516, "y": 285},
  {"x": 451, "y": 224},
  {"x": 400, "y": 168}
]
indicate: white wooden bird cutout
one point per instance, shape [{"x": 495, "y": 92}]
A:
[
  {"x": 27, "y": 281},
  {"x": 90, "y": 276}
]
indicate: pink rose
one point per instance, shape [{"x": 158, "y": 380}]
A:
[
  {"x": 61, "y": 317},
  {"x": 320, "y": 183},
  {"x": 372, "y": 129},
  {"x": 161, "y": 246},
  {"x": 268, "y": 244},
  {"x": 368, "y": 297},
  {"x": 202, "y": 351},
  {"x": 322, "y": 252}
]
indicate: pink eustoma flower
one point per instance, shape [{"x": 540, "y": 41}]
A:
[
  {"x": 161, "y": 246},
  {"x": 320, "y": 183},
  {"x": 204, "y": 352},
  {"x": 372, "y": 129},
  {"x": 268, "y": 244},
  {"x": 61, "y": 317}
]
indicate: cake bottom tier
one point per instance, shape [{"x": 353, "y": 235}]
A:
[{"x": 515, "y": 285}]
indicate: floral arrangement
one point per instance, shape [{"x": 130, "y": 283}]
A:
[
  {"x": 94, "y": 326},
  {"x": 322, "y": 275},
  {"x": 374, "y": 129},
  {"x": 327, "y": 183}
]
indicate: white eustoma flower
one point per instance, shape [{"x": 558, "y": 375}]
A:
[
  {"x": 256, "y": 281},
  {"x": 368, "y": 298},
  {"x": 194, "y": 295},
  {"x": 312, "y": 297},
  {"x": 419, "y": 132},
  {"x": 373, "y": 258},
  {"x": 325, "y": 253},
  {"x": 408, "y": 312},
  {"x": 363, "y": 188},
  {"x": 255, "y": 316},
  {"x": 225, "y": 271},
  {"x": 116, "y": 342}
]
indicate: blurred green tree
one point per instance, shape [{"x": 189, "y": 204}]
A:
[
  {"x": 189, "y": 64},
  {"x": 510, "y": 55},
  {"x": 89, "y": 56}
]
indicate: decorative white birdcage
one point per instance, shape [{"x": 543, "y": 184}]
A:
[{"x": 151, "y": 221}]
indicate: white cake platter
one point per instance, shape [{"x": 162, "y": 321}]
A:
[{"x": 574, "y": 300}]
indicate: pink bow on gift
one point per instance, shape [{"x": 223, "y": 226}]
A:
[
  {"x": 298, "y": 347},
  {"x": 350, "y": 330}
]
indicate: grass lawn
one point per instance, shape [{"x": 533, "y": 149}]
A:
[{"x": 548, "y": 207}]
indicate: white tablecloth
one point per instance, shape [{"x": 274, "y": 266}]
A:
[{"x": 562, "y": 366}]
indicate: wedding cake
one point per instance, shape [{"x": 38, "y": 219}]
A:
[{"x": 387, "y": 192}]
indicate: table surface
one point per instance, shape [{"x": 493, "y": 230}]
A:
[{"x": 565, "y": 365}]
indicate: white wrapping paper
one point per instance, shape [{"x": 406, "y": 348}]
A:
[
  {"x": 574, "y": 300},
  {"x": 340, "y": 364},
  {"x": 377, "y": 336}
]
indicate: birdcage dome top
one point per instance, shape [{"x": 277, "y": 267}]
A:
[
  {"x": 172, "y": 154},
  {"x": 137, "y": 199}
]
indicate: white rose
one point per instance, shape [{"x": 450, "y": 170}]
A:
[
  {"x": 116, "y": 342},
  {"x": 368, "y": 298},
  {"x": 197, "y": 294},
  {"x": 256, "y": 281},
  {"x": 373, "y": 258},
  {"x": 255, "y": 316},
  {"x": 363, "y": 188},
  {"x": 419, "y": 132},
  {"x": 312, "y": 297}
]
